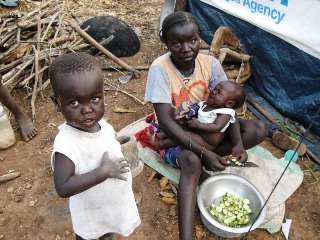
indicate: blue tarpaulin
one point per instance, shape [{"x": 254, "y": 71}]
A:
[{"x": 286, "y": 76}]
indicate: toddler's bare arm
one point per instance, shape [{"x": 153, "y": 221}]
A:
[{"x": 67, "y": 183}]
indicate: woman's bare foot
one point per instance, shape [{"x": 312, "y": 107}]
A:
[{"x": 27, "y": 129}]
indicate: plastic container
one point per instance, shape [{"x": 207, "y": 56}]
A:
[
  {"x": 130, "y": 152},
  {"x": 291, "y": 154},
  {"x": 7, "y": 137}
]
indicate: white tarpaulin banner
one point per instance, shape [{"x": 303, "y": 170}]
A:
[{"x": 295, "y": 21}]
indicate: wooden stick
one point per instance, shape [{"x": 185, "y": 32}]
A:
[
  {"x": 30, "y": 24},
  {"x": 14, "y": 50},
  {"x": 223, "y": 35},
  {"x": 49, "y": 25},
  {"x": 37, "y": 10},
  {"x": 83, "y": 45},
  {"x": 78, "y": 46},
  {"x": 101, "y": 48},
  {"x": 75, "y": 18},
  {"x": 6, "y": 67},
  {"x": 44, "y": 86},
  {"x": 26, "y": 80},
  {"x": 20, "y": 69},
  {"x": 9, "y": 74},
  {"x": 126, "y": 93},
  {"x": 3, "y": 25},
  {"x": 18, "y": 35},
  {"x": 9, "y": 176},
  {"x": 34, "y": 92},
  {"x": 313, "y": 156},
  {"x": 36, "y": 59},
  {"x": 115, "y": 68},
  {"x": 59, "y": 26},
  {"x": 7, "y": 37},
  {"x": 222, "y": 57},
  {"x": 13, "y": 14},
  {"x": 107, "y": 40},
  {"x": 239, "y": 56},
  {"x": 61, "y": 40}
]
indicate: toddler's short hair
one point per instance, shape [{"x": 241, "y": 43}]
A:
[{"x": 70, "y": 63}]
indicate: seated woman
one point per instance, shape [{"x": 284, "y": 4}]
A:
[
  {"x": 184, "y": 75},
  {"x": 205, "y": 121}
]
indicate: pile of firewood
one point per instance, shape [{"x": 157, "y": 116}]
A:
[{"x": 30, "y": 41}]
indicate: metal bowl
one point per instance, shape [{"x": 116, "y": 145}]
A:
[{"x": 212, "y": 190}]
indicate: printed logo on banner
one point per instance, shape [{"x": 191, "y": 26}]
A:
[
  {"x": 275, "y": 10},
  {"x": 283, "y": 2}
]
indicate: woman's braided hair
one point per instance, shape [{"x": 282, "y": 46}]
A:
[{"x": 174, "y": 19}]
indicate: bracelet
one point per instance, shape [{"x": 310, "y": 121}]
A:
[
  {"x": 201, "y": 154},
  {"x": 190, "y": 143}
]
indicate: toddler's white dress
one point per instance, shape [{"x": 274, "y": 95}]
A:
[{"x": 108, "y": 207}]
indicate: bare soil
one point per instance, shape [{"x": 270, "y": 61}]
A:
[{"x": 29, "y": 205}]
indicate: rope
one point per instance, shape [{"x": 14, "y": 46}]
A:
[{"x": 295, "y": 151}]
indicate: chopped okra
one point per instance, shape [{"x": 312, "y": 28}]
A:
[
  {"x": 236, "y": 162},
  {"x": 232, "y": 211}
]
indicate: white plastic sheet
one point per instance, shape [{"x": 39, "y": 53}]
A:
[{"x": 294, "y": 21}]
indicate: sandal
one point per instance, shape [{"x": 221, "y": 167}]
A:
[{"x": 284, "y": 142}]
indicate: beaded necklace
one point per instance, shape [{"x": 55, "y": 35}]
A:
[{"x": 186, "y": 76}]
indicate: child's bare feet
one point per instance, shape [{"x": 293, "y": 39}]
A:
[{"x": 27, "y": 129}]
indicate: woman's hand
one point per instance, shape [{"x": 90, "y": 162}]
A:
[
  {"x": 212, "y": 161},
  {"x": 114, "y": 167},
  {"x": 239, "y": 153}
]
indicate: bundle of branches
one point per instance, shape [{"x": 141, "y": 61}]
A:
[
  {"x": 30, "y": 41},
  {"x": 226, "y": 47}
]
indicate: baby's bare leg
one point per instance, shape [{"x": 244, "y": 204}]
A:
[{"x": 213, "y": 139}]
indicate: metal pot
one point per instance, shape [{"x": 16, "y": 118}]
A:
[{"x": 214, "y": 188}]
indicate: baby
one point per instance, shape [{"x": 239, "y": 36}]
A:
[
  {"x": 88, "y": 164},
  {"x": 207, "y": 121}
]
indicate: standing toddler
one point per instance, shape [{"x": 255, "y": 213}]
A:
[{"x": 88, "y": 164}]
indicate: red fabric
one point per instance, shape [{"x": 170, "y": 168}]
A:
[
  {"x": 143, "y": 136},
  {"x": 150, "y": 118}
]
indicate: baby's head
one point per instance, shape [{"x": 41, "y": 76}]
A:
[
  {"x": 77, "y": 83},
  {"x": 226, "y": 94},
  {"x": 180, "y": 33}
]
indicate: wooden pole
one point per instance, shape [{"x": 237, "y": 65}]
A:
[{"x": 93, "y": 42}]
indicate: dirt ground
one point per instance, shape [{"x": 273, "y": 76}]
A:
[{"x": 30, "y": 208}]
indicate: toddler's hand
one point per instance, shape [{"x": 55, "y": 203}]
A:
[{"x": 114, "y": 167}]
